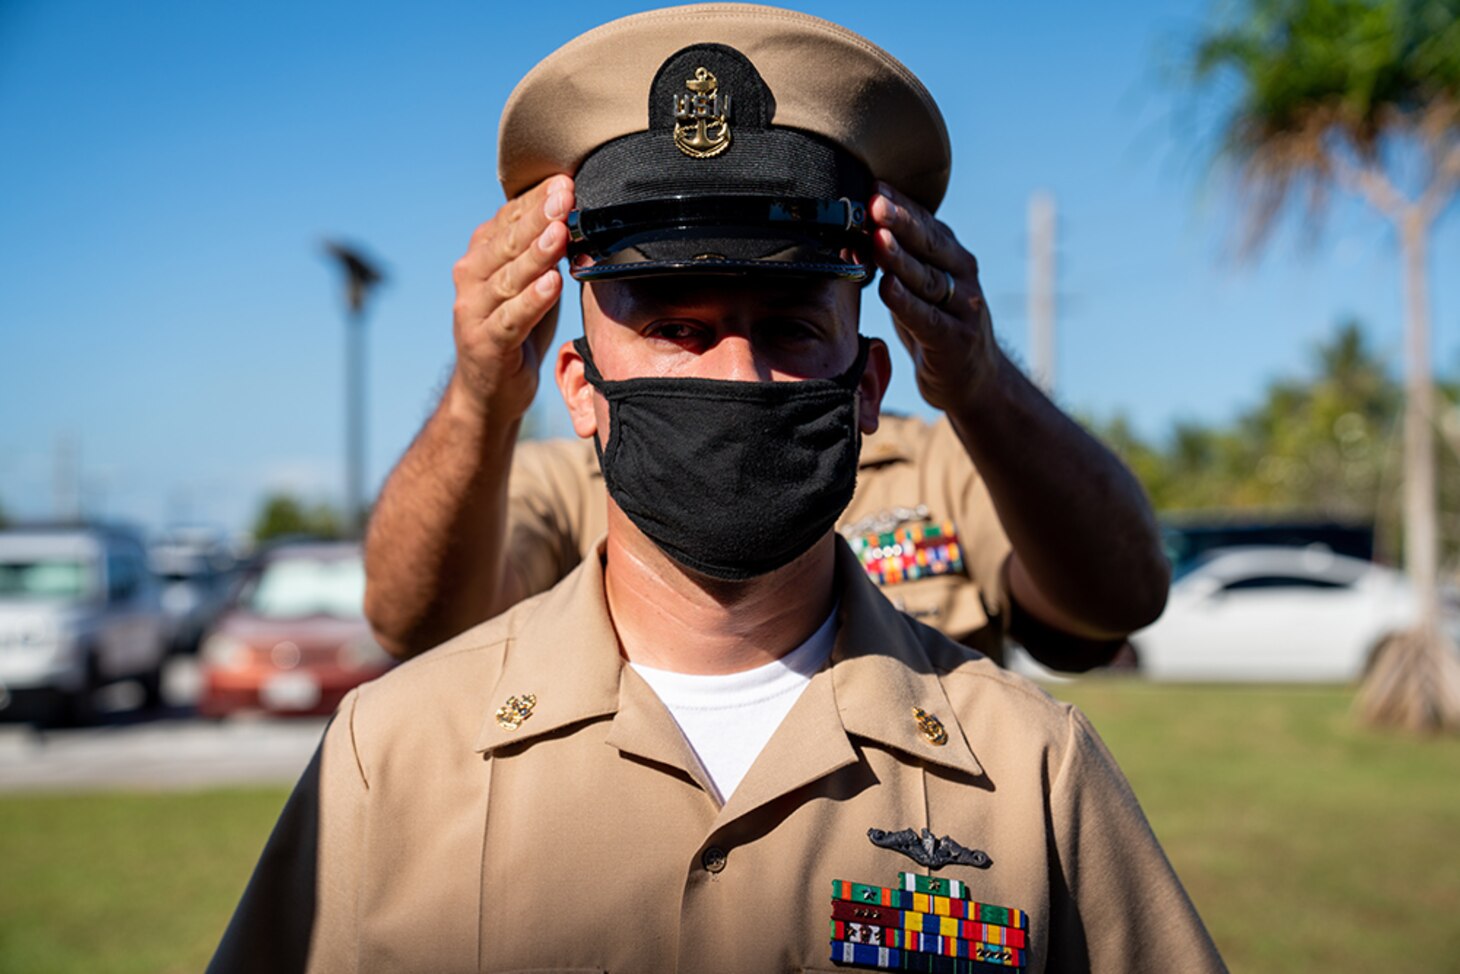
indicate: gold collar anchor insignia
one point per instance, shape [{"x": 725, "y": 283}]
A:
[
  {"x": 931, "y": 727},
  {"x": 517, "y": 709}
]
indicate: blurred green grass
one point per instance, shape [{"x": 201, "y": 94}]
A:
[
  {"x": 125, "y": 882},
  {"x": 1308, "y": 843}
]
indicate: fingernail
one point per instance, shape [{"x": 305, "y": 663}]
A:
[
  {"x": 885, "y": 191},
  {"x": 557, "y": 206},
  {"x": 889, "y": 241},
  {"x": 895, "y": 286},
  {"x": 547, "y": 238},
  {"x": 545, "y": 284}
]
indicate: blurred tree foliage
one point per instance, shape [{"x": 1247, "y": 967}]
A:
[
  {"x": 1326, "y": 443},
  {"x": 1361, "y": 96},
  {"x": 283, "y": 514}
]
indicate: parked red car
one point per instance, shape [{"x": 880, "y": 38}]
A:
[{"x": 293, "y": 638}]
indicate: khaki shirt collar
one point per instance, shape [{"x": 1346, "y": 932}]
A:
[
  {"x": 885, "y": 445},
  {"x": 567, "y": 655},
  {"x": 881, "y": 672}
]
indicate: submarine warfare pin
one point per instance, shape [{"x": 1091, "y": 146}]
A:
[{"x": 929, "y": 850}]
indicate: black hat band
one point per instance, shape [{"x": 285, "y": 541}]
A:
[{"x": 796, "y": 235}]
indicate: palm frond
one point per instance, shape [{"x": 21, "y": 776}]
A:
[{"x": 1322, "y": 86}]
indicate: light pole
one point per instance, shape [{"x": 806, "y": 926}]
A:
[
  {"x": 361, "y": 276},
  {"x": 1042, "y": 290}
]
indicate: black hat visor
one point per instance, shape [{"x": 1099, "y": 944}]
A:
[{"x": 783, "y": 235}]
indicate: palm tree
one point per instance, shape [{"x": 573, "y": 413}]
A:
[{"x": 1361, "y": 96}]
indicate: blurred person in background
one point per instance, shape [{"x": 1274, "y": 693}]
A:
[{"x": 716, "y": 721}]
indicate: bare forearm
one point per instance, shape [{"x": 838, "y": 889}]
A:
[
  {"x": 434, "y": 553},
  {"x": 1086, "y": 549},
  {"x": 1085, "y": 539}
]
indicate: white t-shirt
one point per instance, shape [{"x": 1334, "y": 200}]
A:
[{"x": 728, "y": 719}]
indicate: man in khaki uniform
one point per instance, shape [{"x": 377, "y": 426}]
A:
[
  {"x": 1059, "y": 547},
  {"x": 715, "y": 746}
]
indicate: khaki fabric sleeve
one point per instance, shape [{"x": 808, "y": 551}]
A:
[
  {"x": 1116, "y": 904},
  {"x": 551, "y": 517},
  {"x": 298, "y": 911},
  {"x": 986, "y": 551},
  {"x": 966, "y": 498}
]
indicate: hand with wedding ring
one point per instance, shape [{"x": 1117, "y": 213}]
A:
[{"x": 930, "y": 284}]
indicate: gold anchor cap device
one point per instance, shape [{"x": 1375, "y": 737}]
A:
[
  {"x": 723, "y": 139},
  {"x": 702, "y": 117}
]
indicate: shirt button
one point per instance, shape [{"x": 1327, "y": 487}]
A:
[{"x": 713, "y": 859}]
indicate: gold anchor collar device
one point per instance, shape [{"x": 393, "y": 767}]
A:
[
  {"x": 931, "y": 727},
  {"x": 516, "y": 710}
]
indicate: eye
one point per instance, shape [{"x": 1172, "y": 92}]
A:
[
  {"x": 672, "y": 331},
  {"x": 791, "y": 331}
]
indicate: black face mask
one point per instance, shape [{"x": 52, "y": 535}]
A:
[{"x": 731, "y": 479}]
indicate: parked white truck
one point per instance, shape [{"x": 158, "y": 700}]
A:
[{"x": 78, "y": 609}]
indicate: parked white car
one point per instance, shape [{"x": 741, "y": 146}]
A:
[
  {"x": 78, "y": 609},
  {"x": 1271, "y": 614}
]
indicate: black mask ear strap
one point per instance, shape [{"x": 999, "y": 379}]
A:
[
  {"x": 852, "y": 377},
  {"x": 595, "y": 379},
  {"x": 590, "y": 368}
]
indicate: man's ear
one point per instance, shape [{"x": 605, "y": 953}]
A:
[
  {"x": 577, "y": 393},
  {"x": 875, "y": 377}
]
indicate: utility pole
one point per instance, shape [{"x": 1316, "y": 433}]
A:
[
  {"x": 361, "y": 276},
  {"x": 66, "y": 479},
  {"x": 1042, "y": 290}
]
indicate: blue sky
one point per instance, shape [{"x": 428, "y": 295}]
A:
[{"x": 169, "y": 168}]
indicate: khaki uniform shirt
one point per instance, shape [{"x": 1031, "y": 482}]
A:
[
  {"x": 429, "y": 835},
  {"x": 912, "y": 473}
]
